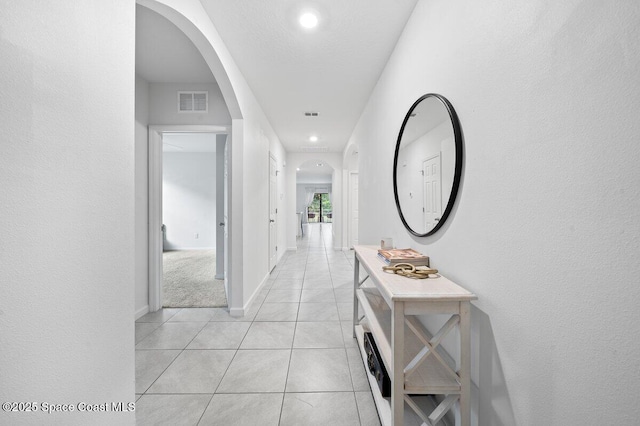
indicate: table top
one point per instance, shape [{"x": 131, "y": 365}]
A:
[{"x": 398, "y": 288}]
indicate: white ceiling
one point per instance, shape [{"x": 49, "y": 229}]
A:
[
  {"x": 314, "y": 172},
  {"x": 331, "y": 70}
]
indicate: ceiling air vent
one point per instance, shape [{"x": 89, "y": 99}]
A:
[
  {"x": 193, "y": 102},
  {"x": 310, "y": 114},
  {"x": 314, "y": 149}
]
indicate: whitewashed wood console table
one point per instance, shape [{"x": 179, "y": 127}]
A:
[{"x": 386, "y": 305}]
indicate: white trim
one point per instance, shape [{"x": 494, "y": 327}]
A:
[
  {"x": 239, "y": 312},
  {"x": 155, "y": 219},
  {"x": 192, "y": 248},
  {"x": 142, "y": 312},
  {"x": 236, "y": 312},
  {"x": 269, "y": 206},
  {"x": 155, "y": 204}
]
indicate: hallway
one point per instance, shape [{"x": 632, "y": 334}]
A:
[{"x": 291, "y": 360}]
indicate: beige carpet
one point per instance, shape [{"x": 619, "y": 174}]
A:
[{"x": 189, "y": 280}]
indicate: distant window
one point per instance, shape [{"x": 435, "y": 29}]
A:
[{"x": 193, "y": 102}]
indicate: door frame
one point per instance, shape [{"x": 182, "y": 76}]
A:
[
  {"x": 273, "y": 197},
  {"x": 351, "y": 202},
  {"x": 155, "y": 204}
]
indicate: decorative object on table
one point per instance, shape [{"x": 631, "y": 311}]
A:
[
  {"x": 410, "y": 271},
  {"x": 386, "y": 243},
  {"x": 408, "y": 255}
]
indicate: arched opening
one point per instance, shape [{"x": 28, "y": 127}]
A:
[
  {"x": 204, "y": 38},
  {"x": 314, "y": 194}
]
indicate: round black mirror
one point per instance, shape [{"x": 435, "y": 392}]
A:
[{"x": 427, "y": 165}]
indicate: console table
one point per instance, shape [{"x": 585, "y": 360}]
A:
[{"x": 387, "y": 305}]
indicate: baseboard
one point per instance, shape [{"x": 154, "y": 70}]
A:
[
  {"x": 280, "y": 256},
  {"x": 236, "y": 312},
  {"x": 256, "y": 292},
  {"x": 239, "y": 312},
  {"x": 219, "y": 277},
  {"x": 142, "y": 312}
]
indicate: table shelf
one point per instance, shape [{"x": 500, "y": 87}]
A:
[
  {"x": 413, "y": 357},
  {"x": 431, "y": 377}
]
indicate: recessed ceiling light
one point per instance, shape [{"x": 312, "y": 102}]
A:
[
  {"x": 313, "y": 138},
  {"x": 298, "y": 169},
  {"x": 308, "y": 20}
]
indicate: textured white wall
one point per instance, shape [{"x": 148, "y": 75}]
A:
[
  {"x": 189, "y": 199},
  {"x": 546, "y": 228},
  {"x": 67, "y": 210},
  {"x": 142, "y": 197}
]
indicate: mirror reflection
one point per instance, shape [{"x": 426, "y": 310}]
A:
[{"x": 427, "y": 164}]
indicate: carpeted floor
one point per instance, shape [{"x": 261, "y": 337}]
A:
[{"x": 189, "y": 280}]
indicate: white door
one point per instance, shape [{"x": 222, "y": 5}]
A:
[
  {"x": 432, "y": 192},
  {"x": 273, "y": 214},
  {"x": 353, "y": 209}
]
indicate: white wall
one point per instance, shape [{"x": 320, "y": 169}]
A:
[
  {"x": 189, "y": 199},
  {"x": 163, "y": 109},
  {"x": 67, "y": 211},
  {"x": 142, "y": 197},
  {"x": 546, "y": 228}
]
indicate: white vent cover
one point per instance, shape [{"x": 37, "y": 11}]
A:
[{"x": 193, "y": 102}]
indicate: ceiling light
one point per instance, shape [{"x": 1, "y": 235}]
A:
[
  {"x": 298, "y": 169},
  {"x": 313, "y": 138},
  {"x": 308, "y": 20}
]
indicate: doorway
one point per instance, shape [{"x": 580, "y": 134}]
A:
[
  {"x": 273, "y": 213},
  {"x": 320, "y": 210},
  {"x": 210, "y": 234},
  {"x": 353, "y": 209}
]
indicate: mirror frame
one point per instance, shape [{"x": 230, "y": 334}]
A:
[{"x": 457, "y": 132}]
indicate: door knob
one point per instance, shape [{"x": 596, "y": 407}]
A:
[
  {"x": 271, "y": 220},
  {"x": 221, "y": 224}
]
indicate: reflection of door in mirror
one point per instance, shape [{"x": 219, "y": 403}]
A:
[{"x": 432, "y": 187}]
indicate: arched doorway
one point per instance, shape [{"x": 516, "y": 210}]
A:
[{"x": 205, "y": 39}]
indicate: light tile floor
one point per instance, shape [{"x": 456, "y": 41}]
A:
[{"x": 291, "y": 360}]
